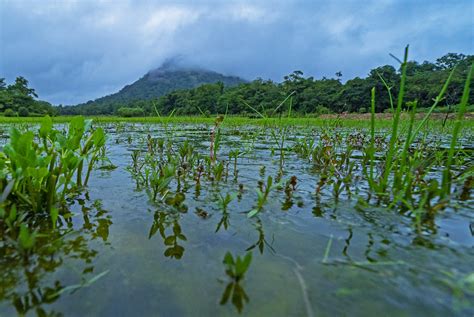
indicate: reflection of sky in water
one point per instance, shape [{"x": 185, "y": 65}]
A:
[{"x": 376, "y": 263}]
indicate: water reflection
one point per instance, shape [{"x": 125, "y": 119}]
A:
[
  {"x": 224, "y": 221},
  {"x": 261, "y": 241},
  {"x": 164, "y": 220},
  {"x": 347, "y": 242},
  {"x": 30, "y": 279},
  {"x": 101, "y": 220}
]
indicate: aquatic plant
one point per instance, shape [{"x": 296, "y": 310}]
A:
[
  {"x": 405, "y": 168},
  {"x": 215, "y": 138},
  {"x": 235, "y": 270},
  {"x": 262, "y": 196},
  {"x": 160, "y": 178},
  {"x": 224, "y": 201},
  {"x": 29, "y": 267},
  {"x": 37, "y": 177}
]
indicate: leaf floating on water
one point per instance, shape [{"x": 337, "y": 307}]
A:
[
  {"x": 252, "y": 213},
  {"x": 73, "y": 288}
]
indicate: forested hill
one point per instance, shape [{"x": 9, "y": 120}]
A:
[{"x": 154, "y": 84}]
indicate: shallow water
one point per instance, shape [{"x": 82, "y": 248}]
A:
[{"x": 315, "y": 258}]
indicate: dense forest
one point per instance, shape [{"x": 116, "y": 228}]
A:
[
  {"x": 201, "y": 92},
  {"x": 18, "y": 99},
  {"x": 309, "y": 95}
]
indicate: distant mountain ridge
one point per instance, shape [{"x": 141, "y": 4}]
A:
[{"x": 156, "y": 83}]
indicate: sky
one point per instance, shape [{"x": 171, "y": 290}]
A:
[{"x": 75, "y": 51}]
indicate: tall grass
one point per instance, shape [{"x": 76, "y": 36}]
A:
[
  {"x": 397, "y": 179},
  {"x": 446, "y": 182},
  {"x": 395, "y": 125}
]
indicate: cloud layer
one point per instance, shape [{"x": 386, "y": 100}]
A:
[{"x": 73, "y": 51}]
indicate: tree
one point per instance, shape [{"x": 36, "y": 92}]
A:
[
  {"x": 449, "y": 60},
  {"x": 130, "y": 112},
  {"x": 376, "y": 79},
  {"x": 355, "y": 94},
  {"x": 23, "y": 112},
  {"x": 9, "y": 113},
  {"x": 20, "y": 87}
]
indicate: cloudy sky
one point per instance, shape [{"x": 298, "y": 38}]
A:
[{"x": 73, "y": 51}]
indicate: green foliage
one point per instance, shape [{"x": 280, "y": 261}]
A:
[
  {"x": 155, "y": 84},
  {"x": 23, "y": 112},
  {"x": 36, "y": 173},
  {"x": 405, "y": 163},
  {"x": 18, "y": 97},
  {"x": 224, "y": 201},
  {"x": 262, "y": 196},
  {"x": 206, "y": 93},
  {"x": 130, "y": 112},
  {"x": 236, "y": 269},
  {"x": 9, "y": 113}
]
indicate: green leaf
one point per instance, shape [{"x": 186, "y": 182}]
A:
[
  {"x": 252, "y": 212},
  {"x": 46, "y": 127},
  {"x": 269, "y": 182},
  {"x": 26, "y": 239},
  {"x": 243, "y": 264},
  {"x": 228, "y": 259},
  {"x": 170, "y": 240},
  {"x": 54, "y": 213},
  {"x": 99, "y": 137},
  {"x": 73, "y": 288},
  {"x": 12, "y": 215}
]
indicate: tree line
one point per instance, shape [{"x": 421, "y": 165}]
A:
[
  {"x": 18, "y": 99},
  {"x": 308, "y": 96}
]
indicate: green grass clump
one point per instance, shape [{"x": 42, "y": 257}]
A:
[{"x": 401, "y": 173}]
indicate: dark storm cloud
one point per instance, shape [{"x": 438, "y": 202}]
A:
[{"x": 73, "y": 51}]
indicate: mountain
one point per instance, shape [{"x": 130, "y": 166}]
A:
[{"x": 156, "y": 83}]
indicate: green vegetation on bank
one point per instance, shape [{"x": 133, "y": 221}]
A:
[
  {"x": 240, "y": 121},
  {"x": 189, "y": 93},
  {"x": 310, "y": 96}
]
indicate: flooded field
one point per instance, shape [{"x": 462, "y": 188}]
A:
[{"x": 195, "y": 220}]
